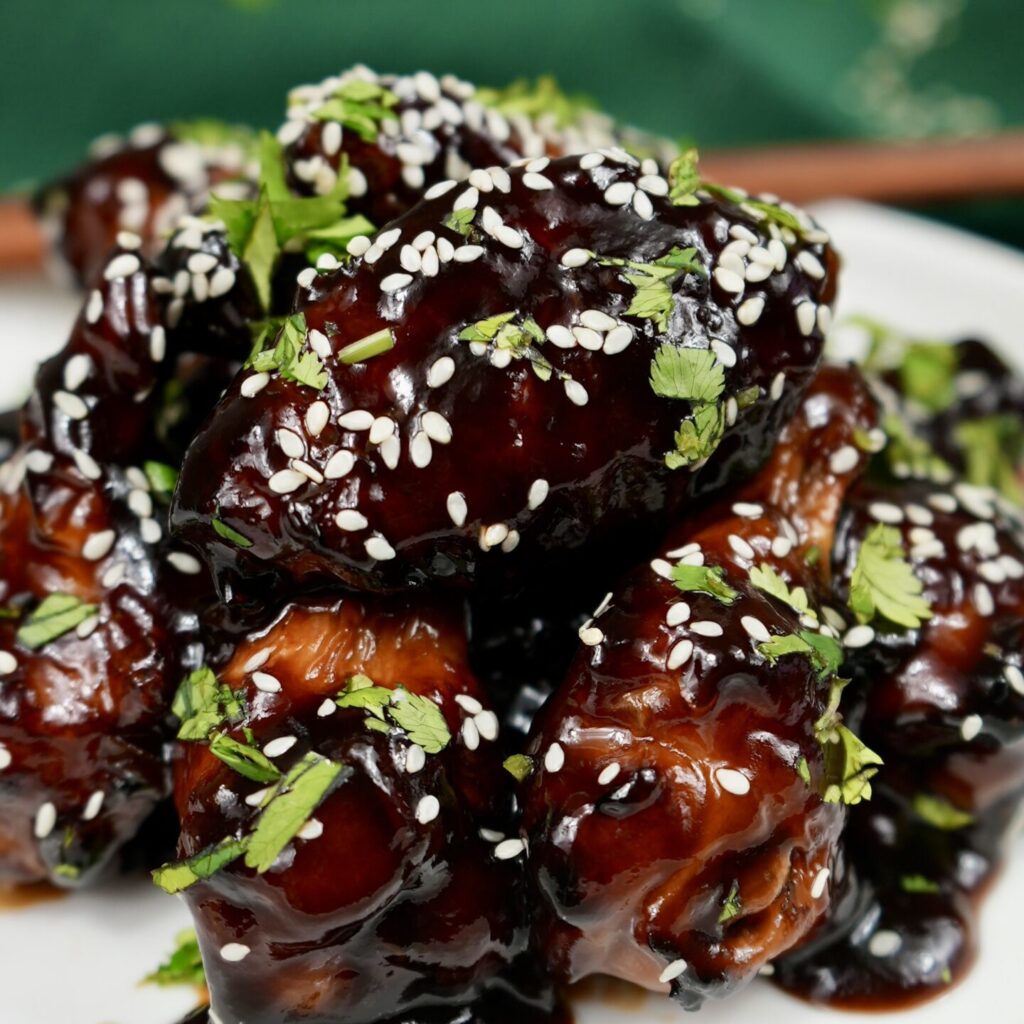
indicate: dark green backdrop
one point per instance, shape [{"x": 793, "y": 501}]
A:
[{"x": 721, "y": 71}]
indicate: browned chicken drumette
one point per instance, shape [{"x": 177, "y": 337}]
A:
[
  {"x": 932, "y": 575},
  {"x": 475, "y": 396},
  {"x": 343, "y": 815},
  {"x": 682, "y": 809},
  {"x": 142, "y": 185}
]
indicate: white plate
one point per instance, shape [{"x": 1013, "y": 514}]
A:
[{"x": 78, "y": 960}]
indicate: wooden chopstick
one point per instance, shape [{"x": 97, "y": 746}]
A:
[
  {"x": 890, "y": 172},
  {"x": 911, "y": 172}
]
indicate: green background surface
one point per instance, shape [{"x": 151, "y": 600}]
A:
[{"x": 724, "y": 72}]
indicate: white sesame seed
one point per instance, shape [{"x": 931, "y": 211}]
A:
[
  {"x": 470, "y": 734},
  {"x": 756, "y": 628},
  {"x": 339, "y": 464},
  {"x": 609, "y": 774},
  {"x": 748, "y": 510},
  {"x": 351, "y": 520},
  {"x": 844, "y": 459},
  {"x": 537, "y": 182},
  {"x": 509, "y": 848},
  {"x": 427, "y": 809},
  {"x": 8, "y": 663},
  {"x": 420, "y": 450},
  {"x": 456, "y": 505},
  {"x": 468, "y": 200},
  {"x": 824, "y": 319},
  {"x": 728, "y": 280},
  {"x": 381, "y": 429},
  {"x": 806, "y": 317},
  {"x": 257, "y": 798},
  {"x": 662, "y": 568},
  {"x": 588, "y": 338},
  {"x": 575, "y": 392},
  {"x": 98, "y": 545},
  {"x": 94, "y": 307},
  {"x": 468, "y": 703},
  {"x": 140, "y": 503},
  {"x": 672, "y": 971},
  {"x": 121, "y": 266},
  {"x": 859, "y": 636},
  {"x": 591, "y": 160},
  {"x": 554, "y": 758},
  {"x": 378, "y": 547},
  {"x": 265, "y": 681},
  {"x": 885, "y": 512},
  {"x": 970, "y": 727},
  {"x": 810, "y": 264},
  {"x": 705, "y": 627},
  {"x": 618, "y": 339},
  {"x": 1014, "y": 677},
  {"x": 5, "y": 757},
  {"x": 313, "y": 829},
  {"x": 234, "y": 952},
  {"x": 415, "y": 759},
  {"x": 983, "y": 600},
  {"x": 590, "y": 636},
  {"x": 508, "y": 236},
  {"x": 38, "y": 461},
  {"x": 487, "y": 725},
  {"x": 679, "y": 655},
  {"x": 256, "y": 661},
  {"x": 358, "y": 245},
  {"x": 560, "y": 336},
  {"x": 356, "y": 419},
  {"x": 597, "y": 320},
  {"x": 290, "y": 443},
  {"x": 468, "y": 253},
  {"x": 185, "y": 563},
  {"x": 575, "y": 258},
  {"x": 71, "y": 405},
  {"x": 280, "y": 745},
  {"x": 320, "y": 344},
  {"x": 87, "y": 465},
  {"x": 327, "y": 708},
  {"x": 741, "y": 547},
  {"x": 778, "y": 385},
  {"x": 620, "y": 193},
  {"x": 254, "y": 384},
  {"x": 307, "y": 470},
  {"x": 819, "y": 884},
  {"x": 884, "y": 943},
  {"x": 537, "y": 494},
  {"x": 93, "y": 805},
  {"x": 46, "y": 820},
  {"x": 733, "y": 781},
  {"x": 440, "y": 372},
  {"x": 724, "y": 353},
  {"x": 393, "y": 282},
  {"x": 677, "y": 613},
  {"x": 76, "y": 370},
  {"x": 285, "y": 481},
  {"x": 437, "y": 428}
]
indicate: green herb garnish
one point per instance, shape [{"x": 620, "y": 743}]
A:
[
  {"x": 849, "y": 764},
  {"x": 919, "y": 884},
  {"x": 704, "y": 579},
  {"x": 244, "y": 758},
  {"x": 175, "y": 878},
  {"x": 287, "y": 356},
  {"x": 202, "y": 704},
  {"x": 883, "y": 581},
  {"x": 541, "y": 98},
  {"x": 519, "y": 766},
  {"x": 184, "y": 966},
  {"x": 56, "y": 615},
  {"x": 766, "y": 579},
  {"x": 418, "y": 717},
  {"x": 993, "y": 449},
  {"x": 229, "y": 533},
  {"x": 366, "y": 348},
  {"x": 162, "y": 478},
  {"x": 361, "y": 107},
  {"x": 732, "y": 906},
  {"x": 940, "y": 813},
  {"x": 461, "y": 220}
]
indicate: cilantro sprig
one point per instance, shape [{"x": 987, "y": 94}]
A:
[
  {"x": 419, "y": 718},
  {"x": 361, "y": 107},
  {"x": 824, "y": 653},
  {"x": 653, "y": 298},
  {"x": 883, "y": 581},
  {"x": 184, "y": 966},
  {"x": 519, "y": 766},
  {"x": 55, "y": 615},
  {"x": 993, "y": 449},
  {"x": 521, "y": 340},
  {"x": 289, "y": 355},
  {"x": 732, "y": 905},
  {"x": 767, "y": 580},
  {"x": 203, "y": 704},
  {"x": 849, "y": 764},
  {"x": 704, "y": 579},
  {"x": 940, "y": 813},
  {"x": 543, "y": 97}
]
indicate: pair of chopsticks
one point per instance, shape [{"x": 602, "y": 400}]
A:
[{"x": 885, "y": 172}]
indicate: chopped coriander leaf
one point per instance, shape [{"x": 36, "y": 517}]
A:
[
  {"x": 688, "y": 373},
  {"x": 297, "y": 796},
  {"x": 260, "y": 250},
  {"x": 56, "y": 615},
  {"x": 543, "y": 97},
  {"x": 421, "y": 719},
  {"x": 766, "y": 579},
  {"x": 372, "y": 699},
  {"x": 803, "y": 769},
  {"x": 244, "y": 759},
  {"x": 940, "y": 813},
  {"x": 883, "y": 581},
  {"x": 919, "y": 884},
  {"x": 184, "y": 966},
  {"x": 731, "y": 907},
  {"x": 67, "y": 871},
  {"x": 212, "y": 133},
  {"x": 698, "y": 436},
  {"x": 908, "y": 454},
  {"x": 519, "y": 766},
  {"x": 770, "y": 212},
  {"x": 947, "y": 975},
  {"x": 202, "y": 704},
  {"x": 176, "y": 877},
  {"x": 684, "y": 178},
  {"x": 162, "y": 478},
  {"x": 993, "y": 448},
  {"x": 826, "y": 653},
  {"x": 366, "y": 348},
  {"x": 927, "y": 374},
  {"x": 787, "y": 643},
  {"x": 287, "y": 356},
  {"x": 7, "y": 612},
  {"x": 229, "y": 533},
  {"x": 334, "y": 238},
  {"x": 704, "y": 579},
  {"x": 361, "y": 107},
  {"x": 485, "y": 330},
  {"x": 460, "y": 220},
  {"x": 849, "y": 768}
]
